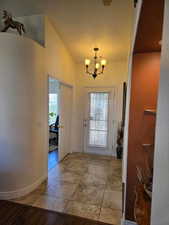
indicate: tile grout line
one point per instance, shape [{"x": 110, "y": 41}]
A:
[
  {"x": 68, "y": 201},
  {"x": 102, "y": 201}
]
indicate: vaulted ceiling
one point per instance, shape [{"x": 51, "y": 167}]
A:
[{"x": 84, "y": 24}]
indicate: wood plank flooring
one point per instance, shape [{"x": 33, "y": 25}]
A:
[{"x": 17, "y": 214}]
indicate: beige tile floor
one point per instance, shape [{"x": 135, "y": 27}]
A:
[{"x": 84, "y": 185}]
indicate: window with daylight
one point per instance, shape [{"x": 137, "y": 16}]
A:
[
  {"x": 53, "y": 107},
  {"x": 98, "y": 121}
]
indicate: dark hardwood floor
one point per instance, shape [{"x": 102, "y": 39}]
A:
[{"x": 17, "y": 214}]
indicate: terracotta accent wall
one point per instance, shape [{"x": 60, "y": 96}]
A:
[{"x": 144, "y": 88}]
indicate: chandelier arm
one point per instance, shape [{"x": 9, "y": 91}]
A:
[
  {"x": 100, "y": 73},
  {"x": 87, "y": 70},
  {"x": 90, "y": 73}
]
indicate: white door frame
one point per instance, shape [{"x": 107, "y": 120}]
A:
[{"x": 111, "y": 111}]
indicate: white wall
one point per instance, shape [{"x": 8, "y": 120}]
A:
[
  {"x": 22, "y": 137},
  {"x": 160, "y": 201},
  {"x": 114, "y": 76},
  {"x": 24, "y": 70},
  {"x": 59, "y": 63}
]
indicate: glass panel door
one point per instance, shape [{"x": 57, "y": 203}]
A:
[{"x": 98, "y": 119}]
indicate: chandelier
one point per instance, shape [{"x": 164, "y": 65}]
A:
[{"x": 99, "y": 65}]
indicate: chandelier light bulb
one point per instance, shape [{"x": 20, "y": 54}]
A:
[
  {"x": 87, "y": 62},
  {"x": 97, "y": 65},
  {"x": 103, "y": 62}
]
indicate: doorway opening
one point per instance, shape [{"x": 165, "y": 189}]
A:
[
  {"x": 53, "y": 122},
  {"x": 60, "y": 97}
]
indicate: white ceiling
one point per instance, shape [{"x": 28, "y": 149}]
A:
[{"x": 84, "y": 24}]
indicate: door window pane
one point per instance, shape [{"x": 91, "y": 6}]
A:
[
  {"x": 98, "y": 119},
  {"x": 98, "y": 138},
  {"x": 98, "y": 125}
]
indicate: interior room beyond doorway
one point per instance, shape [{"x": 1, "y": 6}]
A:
[{"x": 53, "y": 121}]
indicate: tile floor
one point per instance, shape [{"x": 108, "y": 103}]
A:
[{"x": 84, "y": 185}]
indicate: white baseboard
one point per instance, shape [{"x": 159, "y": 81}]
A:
[
  {"x": 128, "y": 222},
  {"x": 21, "y": 192}
]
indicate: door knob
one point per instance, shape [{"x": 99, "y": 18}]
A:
[{"x": 60, "y": 126}]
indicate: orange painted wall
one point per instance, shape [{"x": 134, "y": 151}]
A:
[{"x": 144, "y": 89}]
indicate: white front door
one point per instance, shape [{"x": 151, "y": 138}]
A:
[
  {"x": 65, "y": 117},
  {"x": 98, "y": 122}
]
